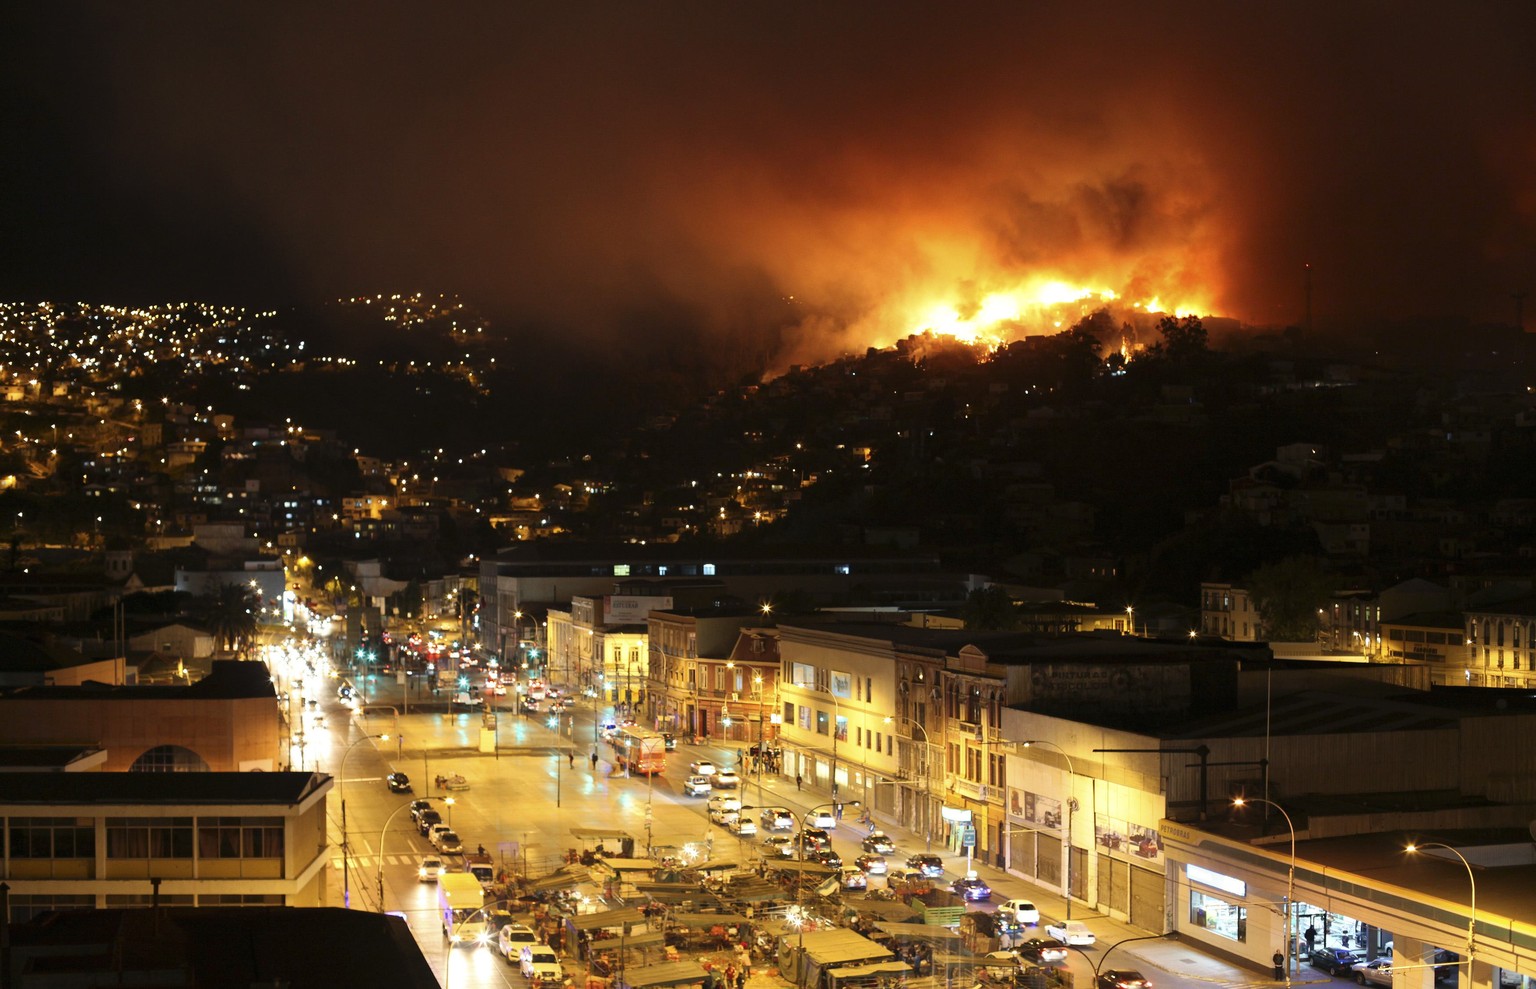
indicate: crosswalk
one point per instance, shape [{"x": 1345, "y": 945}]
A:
[{"x": 372, "y": 861}]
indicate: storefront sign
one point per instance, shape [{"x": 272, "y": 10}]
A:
[
  {"x": 956, "y": 815},
  {"x": 1216, "y": 880}
]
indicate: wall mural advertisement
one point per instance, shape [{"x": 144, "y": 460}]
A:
[
  {"x": 1034, "y": 808},
  {"x": 1135, "y": 842}
]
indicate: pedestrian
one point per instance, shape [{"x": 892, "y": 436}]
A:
[
  {"x": 837, "y": 811},
  {"x": 741, "y": 978},
  {"x": 730, "y": 976},
  {"x": 594, "y": 760},
  {"x": 573, "y": 759},
  {"x": 1310, "y": 936},
  {"x": 797, "y": 781}
]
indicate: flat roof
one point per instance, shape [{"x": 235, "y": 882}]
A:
[
  {"x": 281, "y": 789},
  {"x": 227, "y": 679}
]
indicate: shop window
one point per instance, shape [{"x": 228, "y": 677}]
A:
[{"x": 1218, "y": 917}]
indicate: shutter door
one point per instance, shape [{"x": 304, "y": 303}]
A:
[{"x": 1148, "y": 911}]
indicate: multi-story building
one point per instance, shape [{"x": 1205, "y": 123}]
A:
[
  {"x": 87, "y": 840},
  {"x": 1227, "y": 612},
  {"x": 1499, "y": 651},
  {"x": 708, "y": 666}
]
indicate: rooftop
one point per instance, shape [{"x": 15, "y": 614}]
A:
[{"x": 285, "y": 789}]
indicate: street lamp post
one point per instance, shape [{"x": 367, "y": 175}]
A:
[
  {"x": 1472, "y": 906},
  {"x": 927, "y": 776},
  {"x": 346, "y": 884},
  {"x": 1067, "y": 889},
  {"x": 1145, "y": 937},
  {"x": 382, "y": 832},
  {"x": 1290, "y": 881}
]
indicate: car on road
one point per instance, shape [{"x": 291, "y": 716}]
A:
[
  {"x": 668, "y": 740},
  {"x": 777, "y": 819},
  {"x": 1024, "y": 912},
  {"x": 512, "y": 939},
  {"x": 878, "y": 842},
  {"x": 821, "y": 818},
  {"x": 972, "y": 888},
  {"x": 1074, "y": 933},
  {"x": 697, "y": 786},
  {"x": 778, "y": 845},
  {"x": 1335, "y": 961},
  {"x": 743, "y": 826},
  {"x": 726, "y": 779},
  {"x": 540, "y": 962},
  {"x": 1043, "y": 951},
  {"x": 398, "y": 783},
  {"x": 928, "y": 866},
  {"x": 814, "y": 838},
  {"x": 1123, "y": 978},
  {"x": 701, "y": 767},
  {"x": 417, "y": 806},
  {"x": 874, "y": 865},
  {"x": 854, "y": 878},
  {"x": 721, "y": 802},
  {"x": 826, "y": 856},
  {"x": 447, "y": 841},
  {"x": 427, "y": 819},
  {"x": 1376, "y": 972},
  {"x": 430, "y": 868},
  {"x": 723, "y": 816}
]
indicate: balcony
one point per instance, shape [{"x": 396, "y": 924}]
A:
[{"x": 978, "y": 791}]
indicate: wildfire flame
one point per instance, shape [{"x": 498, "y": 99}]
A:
[{"x": 1046, "y": 305}]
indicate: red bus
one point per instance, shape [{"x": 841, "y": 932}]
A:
[{"x": 639, "y": 750}]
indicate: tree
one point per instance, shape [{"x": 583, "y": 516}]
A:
[
  {"x": 1288, "y": 595},
  {"x": 989, "y": 609},
  {"x": 231, "y": 615},
  {"x": 1183, "y": 339}
]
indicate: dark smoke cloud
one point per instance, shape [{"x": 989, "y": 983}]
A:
[{"x": 799, "y": 175}]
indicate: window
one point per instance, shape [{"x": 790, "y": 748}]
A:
[
  {"x": 1218, "y": 916},
  {"x": 169, "y": 759},
  {"x": 805, "y": 718},
  {"x": 821, "y": 722},
  {"x": 149, "y": 837},
  {"x": 240, "y": 900},
  {"x": 53, "y": 837},
  {"x": 789, "y": 713},
  {"x": 240, "y": 837},
  {"x": 25, "y": 906},
  {"x": 709, "y": 569}
]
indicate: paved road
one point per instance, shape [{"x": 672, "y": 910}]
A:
[{"x": 523, "y": 802}]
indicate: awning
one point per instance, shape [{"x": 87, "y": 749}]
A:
[
  {"x": 648, "y": 939},
  {"x": 874, "y": 968},
  {"x": 837, "y": 944},
  {"x": 707, "y": 919},
  {"x": 596, "y": 834},
  {"x": 931, "y": 932},
  {"x": 678, "y": 973},
  {"x": 608, "y": 918},
  {"x": 753, "y": 891},
  {"x": 625, "y": 865},
  {"x": 560, "y": 880},
  {"x": 715, "y": 865},
  {"x": 789, "y": 865}
]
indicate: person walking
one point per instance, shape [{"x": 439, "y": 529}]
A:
[
  {"x": 573, "y": 759},
  {"x": 797, "y": 781},
  {"x": 594, "y": 760},
  {"x": 1309, "y": 936}
]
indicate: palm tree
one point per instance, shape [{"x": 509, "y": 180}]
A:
[{"x": 231, "y": 612}]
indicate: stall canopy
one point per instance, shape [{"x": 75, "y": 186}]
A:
[
  {"x": 707, "y": 920},
  {"x": 752, "y": 891},
  {"x": 838, "y": 945},
  {"x": 608, "y": 918},
  {"x": 716, "y": 865},
  {"x": 649, "y": 939},
  {"x": 600, "y": 834},
  {"x": 929, "y": 932},
  {"x": 883, "y": 909},
  {"x": 869, "y": 971},
  {"x": 679, "y": 973},
  {"x": 565, "y": 878},
  {"x": 624, "y": 865},
  {"x": 789, "y": 865}
]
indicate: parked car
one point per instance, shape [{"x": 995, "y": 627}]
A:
[
  {"x": 929, "y": 866},
  {"x": 1376, "y": 972},
  {"x": 1336, "y": 961},
  {"x": 447, "y": 841},
  {"x": 430, "y": 868},
  {"x": 701, "y": 767},
  {"x": 427, "y": 819},
  {"x": 1123, "y": 978},
  {"x": 821, "y": 818},
  {"x": 398, "y": 783},
  {"x": 878, "y": 842},
  {"x": 540, "y": 962},
  {"x": 726, "y": 779},
  {"x": 1043, "y": 951},
  {"x": 778, "y": 845},
  {"x": 417, "y": 807},
  {"x": 697, "y": 786},
  {"x": 723, "y": 803},
  {"x": 512, "y": 939},
  {"x": 1074, "y": 933},
  {"x": 853, "y": 878},
  {"x": 1024, "y": 912},
  {"x": 971, "y": 888},
  {"x": 777, "y": 819},
  {"x": 874, "y": 865},
  {"x": 743, "y": 826},
  {"x": 724, "y": 816}
]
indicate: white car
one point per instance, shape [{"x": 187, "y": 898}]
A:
[
  {"x": 721, "y": 803},
  {"x": 431, "y": 867},
  {"x": 447, "y": 841},
  {"x": 1024, "y": 911},
  {"x": 778, "y": 846},
  {"x": 539, "y": 961},
  {"x": 697, "y": 786},
  {"x": 702, "y": 767},
  {"x": 724, "y": 816},
  {"x": 1073, "y": 932},
  {"x": 512, "y": 939},
  {"x": 742, "y": 827},
  {"x": 823, "y": 818},
  {"x": 726, "y": 779},
  {"x": 777, "y": 819}
]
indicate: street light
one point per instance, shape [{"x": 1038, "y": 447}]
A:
[
  {"x": 1290, "y": 880},
  {"x": 800, "y": 878},
  {"x": 1166, "y": 936},
  {"x": 927, "y": 776},
  {"x": 346, "y": 884},
  {"x": 384, "y": 831},
  {"x": 1067, "y": 890},
  {"x": 1472, "y": 916}
]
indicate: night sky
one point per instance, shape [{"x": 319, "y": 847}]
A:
[{"x": 826, "y": 166}]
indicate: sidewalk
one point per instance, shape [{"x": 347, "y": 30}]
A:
[{"x": 1169, "y": 955}]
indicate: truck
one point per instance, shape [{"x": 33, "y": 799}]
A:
[
  {"x": 482, "y": 867},
  {"x": 460, "y": 899},
  {"x": 933, "y": 905}
]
